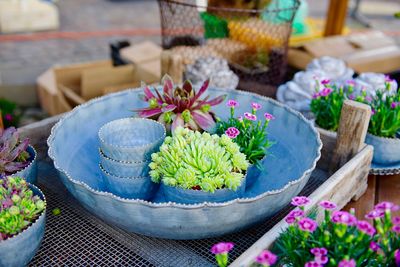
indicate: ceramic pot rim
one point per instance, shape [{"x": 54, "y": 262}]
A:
[
  {"x": 394, "y": 140},
  {"x": 101, "y": 134},
  {"x": 29, "y": 165},
  {"x": 119, "y": 177},
  {"x": 94, "y": 101},
  {"x": 122, "y": 161},
  {"x": 43, "y": 213}
]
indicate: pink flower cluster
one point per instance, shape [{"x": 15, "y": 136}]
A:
[
  {"x": 232, "y": 132},
  {"x": 222, "y": 248},
  {"x": 366, "y": 228},
  {"x": 344, "y": 217},
  {"x": 294, "y": 215},
  {"x": 347, "y": 263},
  {"x": 320, "y": 257},
  {"x": 300, "y": 201},
  {"x": 380, "y": 209},
  {"x": 266, "y": 258},
  {"x": 324, "y": 92}
]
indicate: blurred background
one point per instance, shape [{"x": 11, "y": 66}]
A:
[{"x": 39, "y": 41}]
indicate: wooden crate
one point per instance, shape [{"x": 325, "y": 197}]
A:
[{"x": 346, "y": 158}]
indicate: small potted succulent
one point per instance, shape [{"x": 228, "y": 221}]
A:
[
  {"x": 22, "y": 221},
  {"x": 17, "y": 157},
  {"x": 250, "y": 134},
  {"x": 180, "y": 105},
  {"x": 196, "y": 167}
]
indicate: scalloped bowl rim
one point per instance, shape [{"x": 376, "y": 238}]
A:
[{"x": 93, "y": 101}]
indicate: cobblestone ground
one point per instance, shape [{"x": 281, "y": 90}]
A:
[{"x": 22, "y": 61}]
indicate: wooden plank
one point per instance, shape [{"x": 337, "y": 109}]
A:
[
  {"x": 339, "y": 188},
  {"x": 336, "y": 17},
  {"x": 328, "y": 138},
  {"x": 388, "y": 189},
  {"x": 352, "y": 130},
  {"x": 172, "y": 64},
  {"x": 366, "y": 202}
]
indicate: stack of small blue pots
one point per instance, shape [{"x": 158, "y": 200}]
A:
[{"x": 125, "y": 151}]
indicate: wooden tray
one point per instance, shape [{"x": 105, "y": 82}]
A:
[{"x": 346, "y": 157}]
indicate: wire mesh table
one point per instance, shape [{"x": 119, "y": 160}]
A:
[{"x": 77, "y": 238}]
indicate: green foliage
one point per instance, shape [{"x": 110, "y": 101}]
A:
[
  {"x": 253, "y": 137},
  {"x": 10, "y": 113},
  {"x": 385, "y": 118},
  {"x": 214, "y": 27},
  {"x": 192, "y": 159},
  {"x": 13, "y": 154},
  {"x": 18, "y": 206}
]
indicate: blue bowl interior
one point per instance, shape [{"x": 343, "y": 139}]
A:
[
  {"x": 131, "y": 132},
  {"x": 75, "y": 146}
]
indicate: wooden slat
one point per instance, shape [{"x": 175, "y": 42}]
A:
[
  {"x": 366, "y": 202},
  {"x": 339, "y": 188},
  {"x": 172, "y": 64},
  {"x": 336, "y": 17},
  {"x": 351, "y": 134}
]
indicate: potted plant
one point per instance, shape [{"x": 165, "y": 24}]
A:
[
  {"x": 22, "y": 221},
  {"x": 196, "y": 167},
  {"x": 385, "y": 118},
  {"x": 250, "y": 134},
  {"x": 180, "y": 105},
  {"x": 17, "y": 157}
]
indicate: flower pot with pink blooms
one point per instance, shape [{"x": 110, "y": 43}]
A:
[
  {"x": 250, "y": 133},
  {"x": 338, "y": 239}
]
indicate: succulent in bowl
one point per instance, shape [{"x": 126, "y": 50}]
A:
[
  {"x": 180, "y": 105},
  {"x": 14, "y": 156},
  {"x": 197, "y": 161},
  {"x": 22, "y": 221}
]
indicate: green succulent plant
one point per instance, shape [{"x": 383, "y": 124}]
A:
[
  {"x": 18, "y": 206},
  {"x": 13, "y": 154},
  {"x": 194, "y": 160}
]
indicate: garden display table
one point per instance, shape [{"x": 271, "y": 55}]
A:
[{"x": 75, "y": 237}]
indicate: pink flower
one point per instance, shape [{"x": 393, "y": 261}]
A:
[
  {"x": 232, "y": 103},
  {"x": 393, "y": 105},
  {"x": 388, "y": 79},
  {"x": 232, "y": 132},
  {"x": 351, "y": 82},
  {"x": 255, "y": 106},
  {"x": 386, "y": 205},
  {"x": 396, "y": 220},
  {"x": 319, "y": 251},
  {"x": 374, "y": 246},
  {"x": 366, "y": 228},
  {"x": 296, "y": 213},
  {"x": 316, "y": 95},
  {"x": 269, "y": 116},
  {"x": 396, "y": 229},
  {"x": 250, "y": 116},
  {"x": 343, "y": 217},
  {"x": 373, "y": 111},
  {"x": 328, "y": 205},
  {"x": 313, "y": 264},
  {"x": 308, "y": 225},
  {"x": 240, "y": 118},
  {"x": 326, "y": 91},
  {"x": 322, "y": 259},
  {"x": 8, "y": 117},
  {"x": 290, "y": 219},
  {"x": 397, "y": 257},
  {"x": 325, "y": 81},
  {"x": 375, "y": 214},
  {"x": 300, "y": 201},
  {"x": 221, "y": 248},
  {"x": 266, "y": 258},
  {"x": 347, "y": 263}
]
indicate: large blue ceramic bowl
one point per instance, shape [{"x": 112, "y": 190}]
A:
[
  {"x": 19, "y": 250},
  {"x": 29, "y": 173},
  {"x": 73, "y": 145}
]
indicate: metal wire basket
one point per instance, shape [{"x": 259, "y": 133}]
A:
[{"x": 251, "y": 35}]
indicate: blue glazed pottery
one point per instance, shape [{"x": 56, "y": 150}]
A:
[
  {"x": 131, "y": 139},
  {"x": 19, "y": 250},
  {"x": 29, "y": 173},
  {"x": 386, "y": 150},
  {"x": 189, "y": 196},
  {"x": 130, "y": 187},
  {"x": 124, "y": 168},
  {"x": 73, "y": 145},
  {"x": 253, "y": 173}
]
